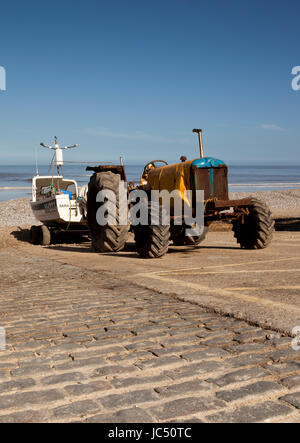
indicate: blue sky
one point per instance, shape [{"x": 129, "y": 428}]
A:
[{"x": 133, "y": 78}]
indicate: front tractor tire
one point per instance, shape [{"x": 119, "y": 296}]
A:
[
  {"x": 107, "y": 238},
  {"x": 254, "y": 231},
  {"x": 152, "y": 241}
]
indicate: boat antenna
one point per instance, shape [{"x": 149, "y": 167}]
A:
[
  {"x": 58, "y": 153},
  {"x": 51, "y": 167},
  {"x": 36, "y": 162}
]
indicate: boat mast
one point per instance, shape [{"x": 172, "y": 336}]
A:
[{"x": 59, "y": 158}]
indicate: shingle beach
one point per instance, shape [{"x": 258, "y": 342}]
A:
[{"x": 282, "y": 204}]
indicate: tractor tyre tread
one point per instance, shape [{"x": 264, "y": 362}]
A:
[
  {"x": 107, "y": 238},
  {"x": 257, "y": 230}
]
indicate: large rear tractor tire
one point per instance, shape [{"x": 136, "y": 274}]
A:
[
  {"x": 255, "y": 231},
  {"x": 180, "y": 239},
  {"x": 152, "y": 241},
  {"x": 107, "y": 238}
]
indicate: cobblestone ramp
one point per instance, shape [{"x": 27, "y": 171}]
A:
[{"x": 85, "y": 347}]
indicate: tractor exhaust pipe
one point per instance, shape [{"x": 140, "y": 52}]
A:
[{"x": 199, "y": 132}]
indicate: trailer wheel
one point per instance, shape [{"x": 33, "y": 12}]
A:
[
  {"x": 255, "y": 231},
  {"x": 152, "y": 241},
  {"x": 35, "y": 235},
  {"x": 45, "y": 236},
  {"x": 180, "y": 239},
  {"x": 107, "y": 238},
  {"x": 40, "y": 235}
]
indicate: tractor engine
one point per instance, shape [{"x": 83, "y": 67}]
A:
[{"x": 204, "y": 174}]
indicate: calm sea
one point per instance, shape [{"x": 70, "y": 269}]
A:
[{"x": 15, "y": 181}]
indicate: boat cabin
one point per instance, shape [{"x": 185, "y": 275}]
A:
[{"x": 48, "y": 186}]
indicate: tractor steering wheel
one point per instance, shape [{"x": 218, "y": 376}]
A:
[{"x": 154, "y": 164}]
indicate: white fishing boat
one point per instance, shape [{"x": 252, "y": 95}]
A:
[{"x": 58, "y": 203}]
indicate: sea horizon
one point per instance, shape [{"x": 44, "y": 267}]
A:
[{"x": 15, "y": 180}]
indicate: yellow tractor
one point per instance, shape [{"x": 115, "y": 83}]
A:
[{"x": 251, "y": 219}]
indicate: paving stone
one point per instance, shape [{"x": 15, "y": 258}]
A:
[
  {"x": 238, "y": 325},
  {"x": 258, "y": 336},
  {"x": 131, "y": 357},
  {"x": 151, "y": 329},
  {"x": 195, "y": 369},
  {"x": 112, "y": 370},
  {"x": 158, "y": 362},
  {"x": 110, "y": 335},
  {"x": 204, "y": 334},
  {"x": 185, "y": 406},
  {"x": 140, "y": 345},
  {"x": 182, "y": 388},
  {"x": 62, "y": 378},
  {"x": 248, "y": 359},
  {"x": 249, "y": 348},
  {"x": 25, "y": 417},
  {"x": 34, "y": 344},
  {"x": 31, "y": 370},
  {"x": 238, "y": 376},
  {"x": 246, "y": 329},
  {"x": 134, "y": 381},
  {"x": 293, "y": 399},
  {"x": 89, "y": 388},
  {"x": 105, "y": 352},
  {"x": 219, "y": 324},
  {"x": 103, "y": 344},
  {"x": 58, "y": 349},
  {"x": 7, "y": 365},
  {"x": 219, "y": 341},
  {"x": 94, "y": 361},
  {"x": 281, "y": 342},
  {"x": 255, "y": 413},
  {"x": 284, "y": 368},
  {"x": 291, "y": 382},
  {"x": 128, "y": 398},
  {"x": 76, "y": 409},
  {"x": 132, "y": 415},
  {"x": 205, "y": 354},
  {"x": 285, "y": 354},
  {"x": 154, "y": 335},
  {"x": 18, "y": 385},
  {"x": 36, "y": 362},
  {"x": 16, "y": 356},
  {"x": 188, "y": 420},
  {"x": 29, "y": 398},
  {"x": 257, "y": 388},
  {"x": 4, "y": 374},
  {"x": 178, "y": 340},
  {"x": 179, "y": 349},
  {"x": 186, "y": 332}
]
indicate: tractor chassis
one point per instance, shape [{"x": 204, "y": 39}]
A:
[{"x": 226, "y": 210}]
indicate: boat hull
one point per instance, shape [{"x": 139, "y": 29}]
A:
[{"x": 57, "y": 209}]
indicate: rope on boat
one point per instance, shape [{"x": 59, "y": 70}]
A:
[{"x": 70, "y": 215}]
